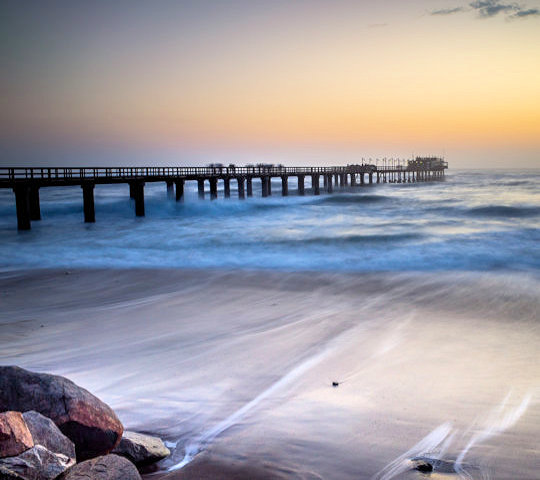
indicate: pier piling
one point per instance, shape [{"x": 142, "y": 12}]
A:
[
  {"x": 301, "y": 189},
  {"x": 240, "y": 181},
  {"x": 22, "y": 206},
  {"x": 33, "y": 198},
  {"x": 315, "y": 184},
  {"x": 200, "y": 188},
  {"x": 213, "y": 188},
  {"x": 179, "y": 184},
  {"x": 284, "y": 185},
  {"x": 170, "y": 189},
  {"x": 88, "y": 202},
  {"x": 329, "y": 186}
]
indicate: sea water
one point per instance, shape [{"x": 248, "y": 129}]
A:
[
  {"x": 473, "y": 220},
  {"x": 420, "y": 301}
]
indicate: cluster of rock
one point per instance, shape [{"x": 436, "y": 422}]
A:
[{"x": 52, "y": 429}]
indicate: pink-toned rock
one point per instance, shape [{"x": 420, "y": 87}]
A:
[
  {"x": 15, "y": 438},
  {"x": 88, "y": 422}
]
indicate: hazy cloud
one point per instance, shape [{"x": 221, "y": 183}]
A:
[
  {"x": 447, "y": 11},
  {"x": 492, "y": 8},
  {"x": 531, "y": 12}
]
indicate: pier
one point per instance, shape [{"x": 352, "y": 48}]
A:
[{"x": 26, "y": 182}]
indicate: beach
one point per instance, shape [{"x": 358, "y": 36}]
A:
[{"x": 235, "y": 369}]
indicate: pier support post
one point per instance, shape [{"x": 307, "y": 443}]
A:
[
  {"x": 329, "y": 185},
  {"x": 88, "y": 202},
  {"x": 301, "y": 189},
  {"x": 170, "y": 189},
  {"x": 315, "y": 184},
  {"x": 336, "y": 179},
  {"x": 22, "y": 206},
  {"x": 213, "y": 188},
  {"x": 35, "y": 210},
  {"x": 179, "y": 184},
  {"x": 284, "y": 185},
  {"x": 200, "y": 188},
  {"x": 362, "y": 179},
  {"x": 240, "y": 181},
  {"x": 264, "y": 186},
  {"x": 249, "y": 186},
  {"x": 138, "y": 190},
  {"x": 353, "y": 179},
  {"x": 325, "y": 181},
  {"x": 227, "y": 187},
  {"x": 371, "y": 178},
  {"x": 131, "y": 191}
]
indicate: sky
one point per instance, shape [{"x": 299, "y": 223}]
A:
[{"x": 294, "y": 82}]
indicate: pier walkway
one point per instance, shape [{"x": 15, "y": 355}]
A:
[{"x": 26, "y": 182}]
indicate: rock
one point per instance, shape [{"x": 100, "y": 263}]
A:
[
  {"x": 141, "y": 449},
  {"x": 422, "y": 466},
  {"x": 7, "y": 474},
  {"x": 108, "y": 467},
  {"x": 88, "y": 422},
  {"x": 35, "y": 464},
  {"x": 15, "y": 438},
  {"x": 45, "y": 432}
]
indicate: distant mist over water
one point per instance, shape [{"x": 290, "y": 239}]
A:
[{"x": 474, "y": 220}]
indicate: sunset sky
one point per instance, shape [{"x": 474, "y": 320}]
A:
[{"x": 296, "y": 82}]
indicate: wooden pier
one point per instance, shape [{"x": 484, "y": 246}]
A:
[{"x": 26, "y": 182}]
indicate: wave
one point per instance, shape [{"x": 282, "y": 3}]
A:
[
  {"x": 353, "y": 198},
  {"x": 504, "y": 211},
  {"x": 350, "y": 239}
]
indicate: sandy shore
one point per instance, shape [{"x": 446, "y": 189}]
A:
[{"x": 237, "y": 367}]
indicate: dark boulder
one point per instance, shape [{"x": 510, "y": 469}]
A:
[
  {"x": 15, "y": 438},
  {"x": 141, "y": 449},
  {"x": 45, "y": 432},
  {"x": 36, "y": 463},
  {"x": 108, "y": 467},
  {"x": 422, "y": 465},
  {"x": 7, "y": 474},
  {"x": 88, "y": 422}
]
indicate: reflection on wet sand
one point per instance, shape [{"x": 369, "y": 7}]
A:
[{"x": 235, "y": 370}]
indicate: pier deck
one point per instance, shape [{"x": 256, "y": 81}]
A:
[{"x": 26, "y": 182}]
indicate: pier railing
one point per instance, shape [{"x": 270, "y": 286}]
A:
[{"x": 60, "y": 173}]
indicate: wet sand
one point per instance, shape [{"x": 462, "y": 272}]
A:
[{"x": 236, "y": 368}]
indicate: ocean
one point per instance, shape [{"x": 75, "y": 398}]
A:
[
  {"x": 473, "y": 221},
  {"x": 331, "y": 337}
]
